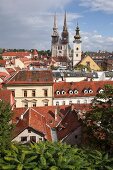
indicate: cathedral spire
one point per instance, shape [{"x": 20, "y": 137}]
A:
[
  {"x": 65, "y": 23},
  {"x": 55, "y": 35},
  {"x": 55, "y": 29},
  {"x": 55, "y": 25},
  {"x": 65, "y": 35}
]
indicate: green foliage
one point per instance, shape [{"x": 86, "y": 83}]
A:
[
  {"x": 5, "y": 126},
  {"x": 99, "y": 120},
  {"x": 82, "y": 67},
  {"x": 53, "y": 156}
]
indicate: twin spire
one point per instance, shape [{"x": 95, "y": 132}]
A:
[{"x": 55, "y": 29}]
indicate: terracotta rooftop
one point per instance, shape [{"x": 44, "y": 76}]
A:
[
  {"x": 34, "y": 120},
  {"x": 5, "y": 95},
  {"x": 32, "y": 77},
  {"x": 78, "y": 89},
  {"x": 11, "y": 71},
  {"x": 18, "y": 54},
  {"x": 60, "y": 59},
  {"x": 42, "y": 119},
  {"x": 2, "y": 63}
]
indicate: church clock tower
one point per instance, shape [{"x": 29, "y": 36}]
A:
[{"x": 77, "y": 47}]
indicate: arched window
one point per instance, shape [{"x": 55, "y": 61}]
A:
[
  {"x": 57, "y": 92},
  {"x": 76, "y": 91},
  {"x": 90, "y": 91},
  {"x": 63, "y": 92},
  {"x": 70, "y": 91},
  {"x": 100, "y": 91},
  {"x": 85, "y": 91}
]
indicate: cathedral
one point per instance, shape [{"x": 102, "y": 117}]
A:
[{"x": 60, "y": 44}]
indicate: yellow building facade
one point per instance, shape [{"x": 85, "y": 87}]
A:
[{"x": 89, "y": 62}]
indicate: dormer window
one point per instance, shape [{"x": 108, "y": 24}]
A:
[
  {"x": 63, "y": 92},
  {"x": 100, "y": 91},
  {"x": 76, "y": 91},
  {"x": 57, "y": 92},
  {"x": 70, "y": 91},
  {"x": 85, "y": 91},
  {"x": 90, "y": 91}
]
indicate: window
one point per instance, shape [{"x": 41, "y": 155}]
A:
[
  {"x": 75, "y": 91},
  {"x": 70, "y": 91},
  {"x": 78, "y": 101},
  {"x": 13, "y": 93},
  {"x": 26, "y": 104},
  {"x": 63, "y": 92},
  {"x": 34, "y": 104},
  {"x": 33, "y": 139},
  {"x": 85, "y": 91},
  {"x": 85, "y": 101},
  {"x": 57, "y": 92},
  {"x": 63, "y": 103},
  {"x": 24, "y": 139},
  {"x": 76, "y": 55},
  {"x": 70, "y": 102},
  {"x": 45, "y": 92},
  {"x": 29, "y": 131},
  {"x": 88, "y": 64},
  {"x": 90, "y": 91},
  {"x": 25, "y": 93},
  {"x": 33, "y": 93},
  {"x": 77, "y": 48},
  {"x": 40, "y": 139},
  {"x": 45, "y": 103},
  {"x": 57, "y": 103}
]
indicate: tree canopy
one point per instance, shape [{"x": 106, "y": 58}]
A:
[
  {"x": 5, "y": 125},
  {"x": 54, "y": 156},
  {"x": 99, "y": 120}
]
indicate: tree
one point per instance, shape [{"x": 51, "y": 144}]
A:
[
  {"x": 54, "y": 156},
  {"x": 98, "y": 123},
  {"x": 5, "y": 125}
]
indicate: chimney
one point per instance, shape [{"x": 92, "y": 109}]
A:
[
  {"x": 21, "y": 117},
  {"x": 56, "y": 113},
  {"x": 72, "y": 107}
]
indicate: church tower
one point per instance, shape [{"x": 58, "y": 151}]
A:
[
  {"x": 77, "y": 47},
  {"x": 65, "y": 39},
  {"x": 65, "y": 34},
  {"x": 55, "y": 39}
]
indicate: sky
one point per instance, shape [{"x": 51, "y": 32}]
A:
[{"x": 27, "y": 24}]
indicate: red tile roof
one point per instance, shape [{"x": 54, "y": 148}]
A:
[
  {"x": 2, "y": 62},
  {"x": 59, "y": 59},
  {"x": 18, "y": 54},
  {"x": 42, "y": 118},
  {"x": 32, "y": 77},
  {"x": 3, "y": 75},
  {"x": 34, "y": 120},
  {"x": 11, "y": 71},
  {"x": 5, "y": 95},
  {"x": 80, "y": 87}
]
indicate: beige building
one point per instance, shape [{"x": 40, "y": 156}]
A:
[
  {"x": 89, "y": 62},
  {"x": 31, "y": 88}
]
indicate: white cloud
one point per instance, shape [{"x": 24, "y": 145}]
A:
[
  {"x": 93, "y": 41},
  {"x": 98, "y": 5}
]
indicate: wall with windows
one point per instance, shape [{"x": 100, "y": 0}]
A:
[
  {"x": 68, "y": 101},
  {"x": 28, "y": 136},
  {"x": 32, "y": 96}
]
